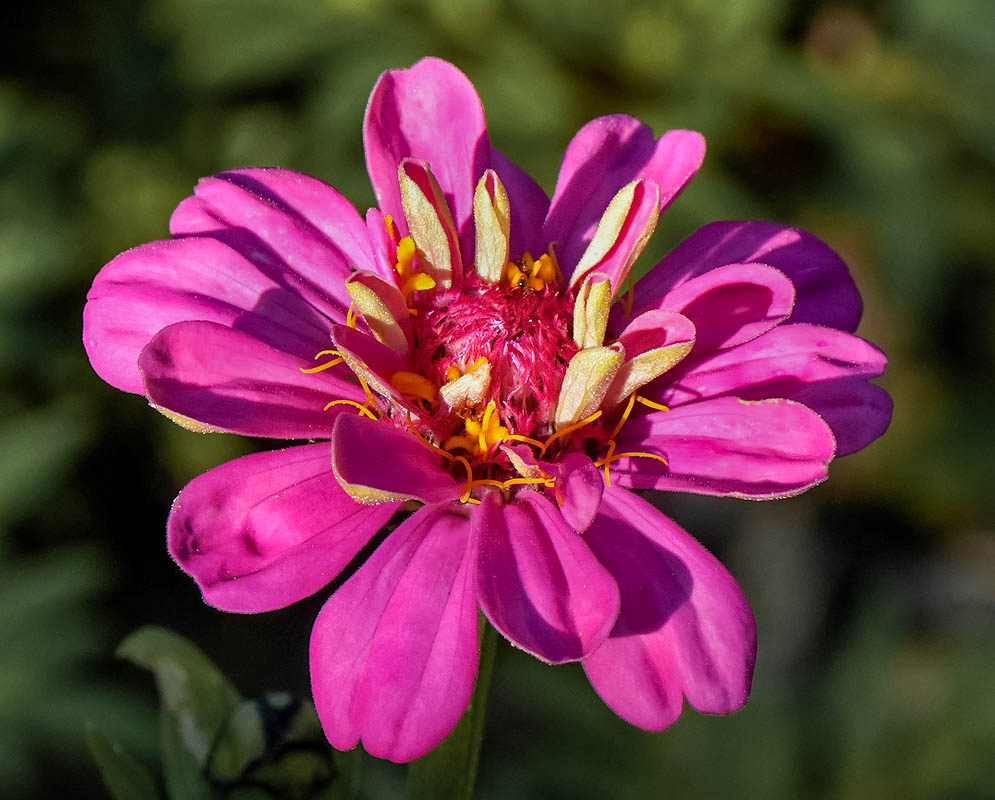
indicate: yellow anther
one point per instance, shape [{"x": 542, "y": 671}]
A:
[
  {"x": 569, "y": 429},
  {"x": 388, "y": 223},
  {"x": 415, "y": 387},
  {"x": 452, "y": 373},
  {"x": 613, "y": 456},
  {"x": 326, "y": 365},
  {"x": 363, "y": 410},
  {"x": 350, "y": 317}
]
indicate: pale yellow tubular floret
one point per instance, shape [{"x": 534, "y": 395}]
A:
[
  {"x": 431, "y": 225},
  {"x": 589, "y": 375},
  {"x": 382, "y": 312},
  {"x": 492, "y": 224},
  {"x": 591, "y": 311},
  {"x": 610, "y": 227},
  {"x": 642, "y": 369}
]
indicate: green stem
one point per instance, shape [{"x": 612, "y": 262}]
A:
[{"x": 449, "y": 771}]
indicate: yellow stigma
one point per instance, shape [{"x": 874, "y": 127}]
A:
[{"x": 532, "y": 273}]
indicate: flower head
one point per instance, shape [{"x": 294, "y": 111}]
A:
[{"x": 474, "y": 358}]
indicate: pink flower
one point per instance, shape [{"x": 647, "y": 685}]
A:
[{"x": 460, "y": 351}]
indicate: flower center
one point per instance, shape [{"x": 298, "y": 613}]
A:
[{"x": 523, "y": 334}]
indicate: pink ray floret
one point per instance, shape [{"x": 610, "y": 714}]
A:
[{"x": 471, "y": 363}]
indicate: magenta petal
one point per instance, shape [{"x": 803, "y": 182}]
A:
[
  {"x": 296, "y": 229},
  {"x": 824, "y": 291},
  {"x": 822, "y": 368},
  {"x": 727, "y": 446},
  {"x": 430, "y": 112},
  {"x": 654, "y": 329},
  {"x": 685, "y": 629},
  {"x": 269, "y": 529},
  {"x": 529, "y": 206},
  {"x": 579, "y": 487},
  {"x": 604, "y": 156},
  {"x": 377, "y": 462},
  {"x": 145, "y": 289},
  {"x": 394, "y": 650},
  {"x": 732, "y": 304},
  {"x": 538, "y": 582},
  {"x": 232, "y": 381}
]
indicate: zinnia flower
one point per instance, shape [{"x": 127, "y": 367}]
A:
[{"x": 473, "y": 360}]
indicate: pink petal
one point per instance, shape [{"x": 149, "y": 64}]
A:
[
  {"x": 375, "y": 458},
  {"x": 299, "y": 231},
  {"x": 727, "y": 446},
  {"x": 232, "y": 381},
  {"x": 150, "y": 287},
  {"x": 384, "y": 248},
  {"x": 394, "y": 650},
  {"x": 655, "y": 329},
  {"x": 732, "y": 304},
  {"x": 604, "y": 156},
  {"x": 538, "y": 583},
  {"x": 822, "y": 368},
  {"x": 685, "y": 629},
  {"x": 269, "y": 529},
  {"x": 824, "y": 291},
  {"x": 429, "y": 112},
  {"x": 579, "y": 487},
  {"x": 529, "y": 206}
]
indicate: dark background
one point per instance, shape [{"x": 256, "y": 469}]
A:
[{"x": 868, "y": 123}]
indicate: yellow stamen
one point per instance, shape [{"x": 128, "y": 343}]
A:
[
  {"x": 569, "y": 429},
  {"x": 363, "y": 410},
  {"x": 468, "y": 486},
  {"x": 369, "y": 395},
  {"x": 548, "y": 482},
  {"x": 624, "y": 417},
  {"x": 528, "y": 440},
  {"x": 326, "y": 365},
  {"x": 350, "y": 317},
  {"x": 650, "y": 403},
  {"x": 388, "y": 223},
  {"x": 606, "y": 461}
]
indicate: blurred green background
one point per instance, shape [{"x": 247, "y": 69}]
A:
[{"x": 869, "y": 123}]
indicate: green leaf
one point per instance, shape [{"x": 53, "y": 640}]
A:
[
  {"x": 197, "y": 701},
  {"x": 124, "y": 777},
  {"x": 274, "y": 745}
]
